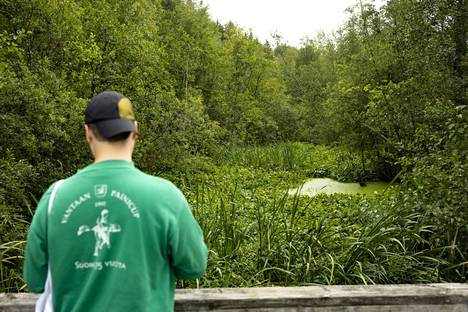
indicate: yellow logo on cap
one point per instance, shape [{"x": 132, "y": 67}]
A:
[{"x": 125, "y": 109}]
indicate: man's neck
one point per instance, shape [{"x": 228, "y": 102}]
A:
[
  {"x": 112, "y": 153},
  {"x": 110, "y": 157}
]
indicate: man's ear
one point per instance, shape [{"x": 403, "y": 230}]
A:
[
  {"x": 89, "y": 134},
  {"x": 135, "y": 134}
]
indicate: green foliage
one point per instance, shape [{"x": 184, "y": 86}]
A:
[
  {"x": 11, "y": 256},
  {"x": 435, "y": 187},
  {"x": 258, "y": 235},
  {"x": 397, "y": 79},
  {"x": 307, "y": 160},
  {"x": 218, "y": 111}
]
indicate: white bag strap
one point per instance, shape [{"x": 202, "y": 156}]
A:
[
  {"x": 44, "y": 303},
  {"x": 52, "y": 196}
]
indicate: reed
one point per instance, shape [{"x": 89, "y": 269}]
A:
[
  {"x": 11, "y": 259},
  {"x": 260, "y": 235}
]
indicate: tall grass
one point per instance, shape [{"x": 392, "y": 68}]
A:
[
  {"x": 13, "y": 227},
  {"x": 312, "y": 160},
  {"x": 259, "y": 235},
  {"x": 11, "y": 259}
]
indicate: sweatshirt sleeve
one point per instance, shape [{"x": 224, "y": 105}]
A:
[
  {"x": 187, "y": 248},
  {"x": 36, "y": 257}
]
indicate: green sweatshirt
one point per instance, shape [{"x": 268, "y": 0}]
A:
[{"x": 115, "y": 239}]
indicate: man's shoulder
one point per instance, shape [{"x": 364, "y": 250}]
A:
[
  {"x": 155, "y": 181},
  {"x": 157, "y": 189},
  {"x": 161, "y": 185},
  {"x": 135, "y": 181}
]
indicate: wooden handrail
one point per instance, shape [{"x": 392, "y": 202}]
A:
[{"x": 389, "y": 298}]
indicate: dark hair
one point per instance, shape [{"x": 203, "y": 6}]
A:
[{"x": 116, "y": 138}]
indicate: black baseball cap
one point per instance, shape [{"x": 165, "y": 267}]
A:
[{"x": 111, "y": 113}]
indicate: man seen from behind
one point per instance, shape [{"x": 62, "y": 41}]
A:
[{"x": 110, "y": 237}]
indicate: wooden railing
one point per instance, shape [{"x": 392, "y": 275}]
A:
[{"x": 382, "y": 298}]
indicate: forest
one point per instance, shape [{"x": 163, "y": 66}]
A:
[{"x": 235, "y": 123}]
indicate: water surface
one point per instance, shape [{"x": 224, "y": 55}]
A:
[{"x": 316, "y": 186}]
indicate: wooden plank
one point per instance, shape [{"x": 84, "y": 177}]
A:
[
  {"x": 322, "y": 296},
  {"x": 356, "y": 298}
]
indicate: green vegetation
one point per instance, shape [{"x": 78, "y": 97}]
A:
[
  {"x": 385, "y": 99},
  {"x": 259, "y": 235}
]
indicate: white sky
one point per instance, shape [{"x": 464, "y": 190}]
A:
[{"x": 292, "y": 19}]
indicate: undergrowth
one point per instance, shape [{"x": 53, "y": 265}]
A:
[{"x": 260, "y": 235}]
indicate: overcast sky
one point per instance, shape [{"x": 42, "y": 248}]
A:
[{"x": 292, "y": 19}]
